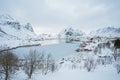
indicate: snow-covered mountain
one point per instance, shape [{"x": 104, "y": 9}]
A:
[
  {"x": 11, "y": 31},
  {"x": 44, "y": 36},
  {"x": 106, "y": 32},
  {"x": 12, "y": 27},
  {"x": 71, "y": 32}
]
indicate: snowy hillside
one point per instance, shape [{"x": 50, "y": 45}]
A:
[
  {"x": 12, "y": 32},
  {"x": 106, "y": 32}
]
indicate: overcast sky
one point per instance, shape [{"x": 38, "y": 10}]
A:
[{"x": 51, "y": 16}]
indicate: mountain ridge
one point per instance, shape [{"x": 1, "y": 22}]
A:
[
  {"x": 13, "y": 33},
  {"x": 106, "y": 32}
]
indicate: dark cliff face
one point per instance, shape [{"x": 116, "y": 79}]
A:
[{"x": 29, "y": 27}]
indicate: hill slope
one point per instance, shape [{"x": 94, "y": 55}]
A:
[
  {"x": 106, "y": 32},
  {"x": 12, "y": 33}
]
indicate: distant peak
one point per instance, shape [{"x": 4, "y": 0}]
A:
[
  {"x": 107, "y": 32},
  {"x": 6, "y": 16}
]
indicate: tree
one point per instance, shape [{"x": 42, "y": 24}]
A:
[
  {"x": 117, "y": 66},
  {"x": 41, "y": 62},
  {"x": 108, "y": 44},
  {"x": 117, "y": 46},
  {"x": 8, "y": 63},
  {"x": 50, "y": 64},
  {"x": 117, "y": 43},
  {"x": 90, "y": 64},
  {"x": 31, "y": 63},
  {"x": 37, "y": 61},
  {"x": 96, "y": 50}
]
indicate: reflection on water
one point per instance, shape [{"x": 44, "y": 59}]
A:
[{"x": 48, "y": 42}]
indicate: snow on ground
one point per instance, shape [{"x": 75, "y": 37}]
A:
[
  {"x": 101, "y": 73},
  {"x": 15, "y": 38}
]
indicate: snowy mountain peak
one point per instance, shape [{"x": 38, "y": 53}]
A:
[
  {"x": 7, "y": 20},
  {"x": 11, "y": 27},
  {"x": 5, "y": 17},
  {"x": 106, "y": 32},
  {"x": 71, "y": 32}
]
